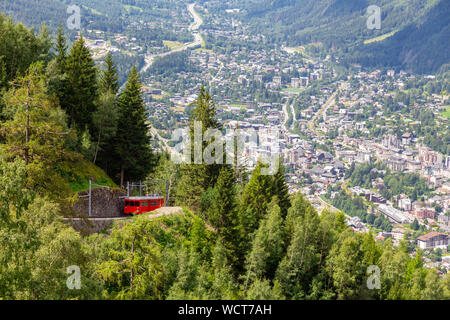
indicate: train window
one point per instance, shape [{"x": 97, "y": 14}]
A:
[
  {"x": 154, "y": 203},
  {"x": 127, "y": 203},
  {"x": 136, "y": 203},
  {"x": 144, "y": 204}
]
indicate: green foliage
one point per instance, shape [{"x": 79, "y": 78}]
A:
[
  {"x": 109, "y": 81},
  {"x": 133, "y": 270},
  {"x": 268, "y": 246},
  {"x": 172, "y": 64},
  {"x": 197, "y": 178},
  {"x": 245, "y": 240},
  {"x": 78, "y": 173},
  {"x": 133, "y": 153},
  {"x": 305, "y": 255},
  {"x": 37, "y": 247},
  {"x": 80, "y": 87},
  {"x": 20, "y": 47},
  {"x": 35, "y": 131},
  {"x": 281, "y": 190},
  {"x": 397, "y": 183}
]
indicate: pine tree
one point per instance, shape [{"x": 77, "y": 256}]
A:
[
  {"x": 281, "y": 190},
  {"x": 223, "y": 203},
  {"x": 197, "y": 178},
  {"x": 268, "y": 246},
  {"x": 255, "y": 199},
  {"x": 132, "y": 143},
  {"x": 81, "y": 91},
  {"x": 254, "y": 205},
  {"x": 61, "y": 49},
  {"x": 302, "y": 260},
  {"x": 105, "y": 118},
  {"x": 105, "y": 124},
  {"x": 109, "y": 81},
  {"x": 223, "y": 212}
]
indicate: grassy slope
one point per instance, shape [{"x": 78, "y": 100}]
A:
[{"x": 79, "y": 173}]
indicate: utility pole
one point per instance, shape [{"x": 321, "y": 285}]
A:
[
  {"x": 167, "y": 192},
  {"x": 90, "y": 198}
]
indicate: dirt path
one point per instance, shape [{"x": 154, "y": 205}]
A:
[{"x": 165, "y": 212}]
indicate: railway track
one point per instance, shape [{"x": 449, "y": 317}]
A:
[{"x": 161, "y": 212}]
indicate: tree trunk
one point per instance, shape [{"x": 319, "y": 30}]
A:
[
  {"x": 27, "y": 128},
  {"x": 98, "y": 145}
]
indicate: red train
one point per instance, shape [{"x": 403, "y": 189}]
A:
[{"x": 140, "y": 205}]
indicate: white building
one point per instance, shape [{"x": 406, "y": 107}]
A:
[{"x": 433, "y": 240}]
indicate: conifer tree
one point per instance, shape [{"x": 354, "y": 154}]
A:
[
  {"x": 35, "y": 130},
  {"x": 81, "y": 91},
  {"x": 109, "y": 81},
  {"x": 281, "y": 190},
  {"x": 302, "y": 259},
  {"x": 61, "y": 49},
  {"x": 197, "y": 178},
  {"x": 255, "y": 199},
  {"x": 223, "y": 204},
  {"x": 268, "y": 246},
  {"x": 105, "y": 118},
  {"x": 223, "y": 212},
  {"x": 132, "y": 143}
]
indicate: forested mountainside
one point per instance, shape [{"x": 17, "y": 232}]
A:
[
  {"x": 62, "y": 121},
  {"x": 110, "y": 16},
  {"x": 414, "y": 35},
  {"x": 422, "y": 46},
  {"x": 415, "y": 32}
]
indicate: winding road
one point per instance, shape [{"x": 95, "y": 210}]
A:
[
  {"x": 331, "y": 102},
  {"x": 198, "y": 40},
  {"x": 149, "y": 59}
]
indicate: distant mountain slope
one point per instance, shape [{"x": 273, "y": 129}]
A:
[
  {"x": 106, "y": 15},
  {"x": 423, "y": 46},
  {"x": 33, "y": 13},
  {"x": 332, "y": 22},
  {"x": 420, "y": 43}
]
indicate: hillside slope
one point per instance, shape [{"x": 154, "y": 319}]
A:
[
  {"x": 420, "y": 27},
  {"x": 422, "y": 46}
]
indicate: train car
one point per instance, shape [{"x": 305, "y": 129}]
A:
[{"x": 140, "y": 205}]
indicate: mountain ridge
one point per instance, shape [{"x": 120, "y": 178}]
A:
[{"x": 342, "y": 24}]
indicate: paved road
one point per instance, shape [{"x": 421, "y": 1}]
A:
[
  {"x": 331, "y": 102},
  {"x": 286, "y": 114},
  {"x": 198, "y": 40}
]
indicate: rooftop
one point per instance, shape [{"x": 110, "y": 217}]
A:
[{"x": 431, "y": 235}]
